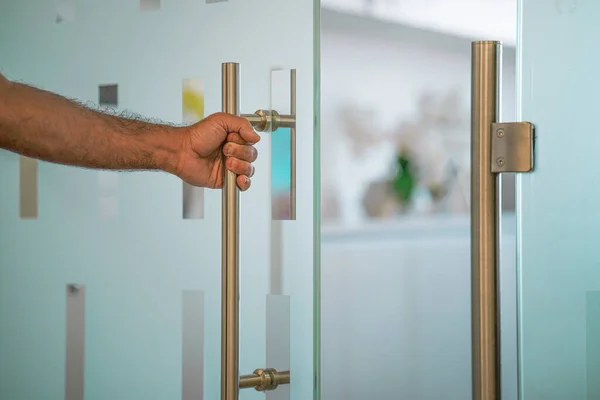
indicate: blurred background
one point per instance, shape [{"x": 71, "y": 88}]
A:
[{"x": 395, "y": 162}]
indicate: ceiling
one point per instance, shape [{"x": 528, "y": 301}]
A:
[{"x": 475, "y": 19}]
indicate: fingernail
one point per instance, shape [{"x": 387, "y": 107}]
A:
[
  {"x": 246, "y": 179},
  {"x": 227, "y": 150}
]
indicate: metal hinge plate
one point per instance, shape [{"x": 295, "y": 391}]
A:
[{"x": 512, "y": 147}]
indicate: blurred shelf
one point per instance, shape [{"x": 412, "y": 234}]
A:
[
  {"x": 466, "y": 19},
  {"x": 409, "y": 227}
]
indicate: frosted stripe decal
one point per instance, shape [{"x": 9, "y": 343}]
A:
[
  {"x": 192, "y": 349},
  {"x": 149, "y": 5},
  {"x": 28, "y": 188},
  {"x": 192, "y": 111},
  {"x": 278, "y": 341},
  {"x": 75, "y": 346}
]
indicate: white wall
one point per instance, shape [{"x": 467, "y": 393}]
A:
[
  {"x": 396, "y": 312},
  {"x": 396, "y": 294}
]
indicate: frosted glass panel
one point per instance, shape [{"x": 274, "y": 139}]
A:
[
  {"x": 146, "y": 248},
  {"x": 559, "y": 217}
]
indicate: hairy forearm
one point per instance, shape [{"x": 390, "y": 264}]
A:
[{"x": 42, "y": 125}]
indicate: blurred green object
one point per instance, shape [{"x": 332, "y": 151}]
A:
[{"x": 404, "y": 181}]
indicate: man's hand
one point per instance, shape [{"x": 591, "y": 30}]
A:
[
  {"x": 217, "y": 141},
  {"x": 39, "y": 124}
]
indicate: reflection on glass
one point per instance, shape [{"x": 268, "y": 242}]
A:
[{"x": 192, "y": 106}]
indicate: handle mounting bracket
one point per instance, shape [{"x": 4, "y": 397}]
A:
[
  {"x": 512, "y": 147},
  {"x": 263, "y": 380},
  {"x": 270, "y": 120}
]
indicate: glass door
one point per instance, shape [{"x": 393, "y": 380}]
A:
[
  {"x": 111, "y": 283},
  {"x": 551, "y": 149},
  {"x": 558, "y": 214}
]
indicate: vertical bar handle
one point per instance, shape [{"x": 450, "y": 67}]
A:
[
  {"x": 485, "y": 83},
  {"x": 230, "y": 257}
]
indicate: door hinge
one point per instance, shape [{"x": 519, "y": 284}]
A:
[{"x": 512, "y": 147}]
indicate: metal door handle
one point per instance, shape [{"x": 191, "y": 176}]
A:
[
  {"x": 495, "y": 148},
  {"x": 262, "y": 121}
]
